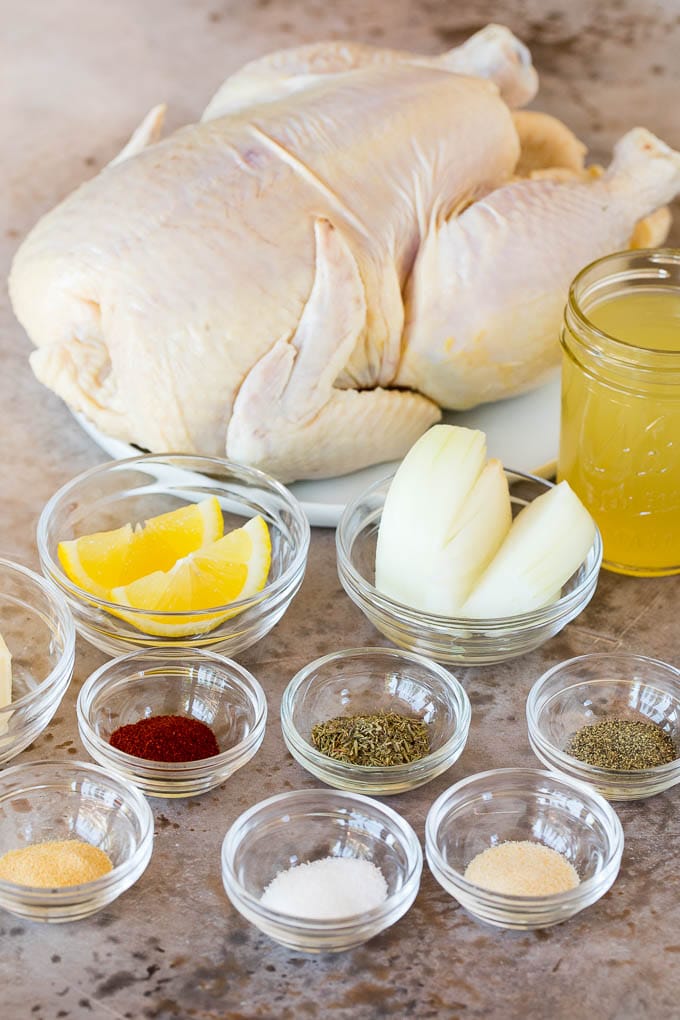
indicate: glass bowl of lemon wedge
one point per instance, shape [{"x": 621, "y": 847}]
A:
[{"x": 176, "y": 550}]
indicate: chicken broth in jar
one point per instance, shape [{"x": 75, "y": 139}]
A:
[{"x": 620, "y": 426}]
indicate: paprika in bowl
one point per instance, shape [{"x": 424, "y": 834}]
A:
[{"x": 175, "y": 725}]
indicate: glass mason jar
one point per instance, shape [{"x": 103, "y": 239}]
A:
[{"x": 620, "y": 423}]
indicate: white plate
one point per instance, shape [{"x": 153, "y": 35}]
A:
[{"x": 522, "y": 432}]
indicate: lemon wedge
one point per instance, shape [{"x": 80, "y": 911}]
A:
[
  {"x": 236, "y": 566},
  {"x": 99, "y": 562}
]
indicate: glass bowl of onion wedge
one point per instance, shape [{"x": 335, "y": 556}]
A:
[
  {"x": 465, "y": 561},
  {"x": 174, "y": 550}
]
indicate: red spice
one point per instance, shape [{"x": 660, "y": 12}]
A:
[{"x": 166, "y": 738}]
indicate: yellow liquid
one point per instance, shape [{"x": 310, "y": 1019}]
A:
[
  {"x": 649, "y": 319},
  {"x": 620, "y": 450}
]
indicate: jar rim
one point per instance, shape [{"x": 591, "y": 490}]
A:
[{"x": 623, "y": 352}]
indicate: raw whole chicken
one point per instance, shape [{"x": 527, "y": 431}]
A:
[{"x": 349, "y": 240}]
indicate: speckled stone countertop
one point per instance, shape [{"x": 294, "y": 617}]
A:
[{"x": 77, "y": 78}]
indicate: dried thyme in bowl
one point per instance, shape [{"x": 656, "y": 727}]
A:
[
  {"x": 380, "y": 740},
  {"x": 628, "y": 744}
]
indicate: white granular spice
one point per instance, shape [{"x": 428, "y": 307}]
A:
[
  {"x": 522, "y": 868},
  {"x": 332, "y": 887}
]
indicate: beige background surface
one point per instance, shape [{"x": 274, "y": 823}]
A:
[{"x": 76, "y": 78}]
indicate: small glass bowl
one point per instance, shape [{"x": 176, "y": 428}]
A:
[
  {"x": 453, "y": 639},
  {"x": 192, "y": 683},
  {"x": 307, "y": 825},
  {"x": 38, "y": 629},
  {"x": 128, "y": 491},
  {"x": 588, "y": 688},
  {"x": 54, "y": 800},
  {"x": 523, "y": 804},
  {"x": 369, "y": 680}
]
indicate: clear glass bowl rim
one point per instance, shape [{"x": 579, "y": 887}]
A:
[
  {"x": 373, "y": 772},
  {"x": 489, "y": 625},
  {"x": 626, "y": 354},
  {"x": 98, "y": 681},
  {"x": 567, "y": 898},
  {"x": 534, "y": 705},
  {"x": 65, "y": 663},
  {"x": 118, "y": 874},
  {"x": 252, "y": 475},
  {"x": 409, "y": 840}
]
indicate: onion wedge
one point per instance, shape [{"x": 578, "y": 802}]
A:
[
  {"x": 479, "y": 530},
  {"x": 546, "y": 544},
  {"x": 424, "y": 501}
]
